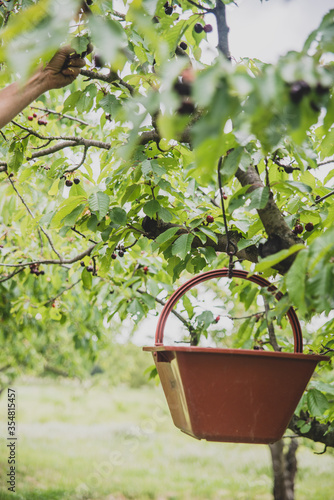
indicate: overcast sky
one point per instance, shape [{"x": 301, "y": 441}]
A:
[{"x": 268, "y": 29}]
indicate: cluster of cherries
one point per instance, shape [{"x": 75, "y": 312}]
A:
[
  {"x": 34, "y": 269},
  {"x": 121, "y": 251},
  {"x": 207, "y": 28},
  {"x": 40, "y": 121},
  {"x": 298, "y": 229},
  {"x": 69, "y": 182}
]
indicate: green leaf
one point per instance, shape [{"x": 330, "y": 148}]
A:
[
  {"x": 295, "y": 280},
  {"x": 182, "y": 246},
  {"x": 109, "y": 104},
  {"x": 166, "y": 235},
  {"x": 71, "y": 101},
  {"x": 230, "y": 164},
  {"x": 118, "y": 216},
  {"x": 305, "y": 427},
  {"x": 151, "y": 208},
  {"x": 322, "y": 386},
  {"x": 259, "y": 198},
  {"x": 87, "y": 279},
  {"x": 300, "y": 186},
  {"x": 71, "y": 218},
  {"x": 107, "y": 36},
  {"x": 209, "y": 233},
  {"x": 245, "y": 243},
  {"x": 165, "y": 214},
  {"x": 317, "y": 403},
  {"x": 149, "y": 300},
  {"x": 66, "y": 208},
  {"x": 99, "y": 203},
  {"x": 15, "y": 159},
  {"x": 274, "y": 259},
  {"x": 79, "y": 44}
]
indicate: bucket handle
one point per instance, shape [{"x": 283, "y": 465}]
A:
[{"x": 219, "y": 273}]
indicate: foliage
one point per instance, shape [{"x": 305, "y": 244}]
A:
[{"x": 141, "y": 138}]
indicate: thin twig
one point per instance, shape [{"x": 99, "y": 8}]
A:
[
  {"x": 33, "y": 217},
  {"x": 319, "y": 200},
  {"x": 52, "y": 111},
  {"x": 326, "y": 162},
  {"x": 81, "y": 234},
  {"x": 112, "y": 77},
  {"x": 179, "y": 316},
  {"x": 118, "y": 14},
  {"x": 17, "y": 271},
  {"x": 81, "y": 162},
  {"x": 54, "y": 261},
  {"x": 207, "y": 9},
  {"x": 61, "y": 293}
]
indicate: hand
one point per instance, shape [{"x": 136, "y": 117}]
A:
[{"x": 63, "y": 68}]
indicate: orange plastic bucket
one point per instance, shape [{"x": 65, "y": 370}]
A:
[{"x": 232, "y": 395}]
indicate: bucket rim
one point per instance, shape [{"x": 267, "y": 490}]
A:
[{"x": 238, "y": 352}]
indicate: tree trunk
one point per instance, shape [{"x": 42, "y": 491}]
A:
[{"x": 284, "y": 469}]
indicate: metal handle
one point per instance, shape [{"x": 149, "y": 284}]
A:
[{"x": 220, "y": 273}]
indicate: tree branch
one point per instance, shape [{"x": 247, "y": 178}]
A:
[
  {"x": 53, "y": 112},
  {"x": 220, "y": 14},
  {"x": 110, "y": 78},
  {"x": 318, "y": 432},
  {"x": 80, "y": 256},
  {"x": 271, "y": 217},
  {"x": 154, "y": 228},
  {"x": 199, "y": 6}
]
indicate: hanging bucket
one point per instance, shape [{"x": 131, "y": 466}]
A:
[{"x": 232, "y": 395}]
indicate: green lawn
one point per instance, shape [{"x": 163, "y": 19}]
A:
[{"x": 79, "y": 442}]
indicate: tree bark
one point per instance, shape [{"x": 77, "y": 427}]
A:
[{"x": 284, "y": 469}]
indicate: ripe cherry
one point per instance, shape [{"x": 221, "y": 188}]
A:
[
  {"x": 183, "y": 45},
  {"x": 35, "y": 115},
  {"x": 225, "y": 196},
  {"x": 198, "y": 28},
  {"x": 68, "y": 182},
  {"x": 76, "y": 180},
  {"x": 309, "y": 226},
  {"x": 82, "y": 264},
  {"x": 113, "y": 256},
  {"x": 209, "y": 219},
  {"x": 90, "y": 269},
  {"x": 30, "y": 118},
  {"x": 298, "y": 229},
  {"x": 208, "y": 28},
  {"x": 121, "y": 253}
]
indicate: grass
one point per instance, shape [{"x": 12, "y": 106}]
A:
[{"x": 96, "y": 443}]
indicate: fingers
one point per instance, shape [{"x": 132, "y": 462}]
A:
[
  {"x": 76, "y": 63},
  {"x": 72, "y": 72}
]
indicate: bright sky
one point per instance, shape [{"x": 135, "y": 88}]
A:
[{"x": 268, "y": 29}]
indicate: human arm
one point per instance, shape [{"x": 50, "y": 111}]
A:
[{"x": 62, "y": 70}]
